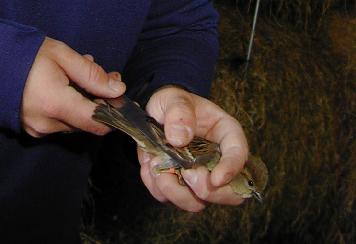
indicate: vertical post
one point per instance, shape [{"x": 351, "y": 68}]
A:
[{"x": 252, "y": 35}]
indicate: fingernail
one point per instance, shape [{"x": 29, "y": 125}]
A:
[
  {"x": 179, "y": 134},
  {"x": 116, "y": 76},
  {"x": 115, "y": 85},
  {"x": 190, "y": 177}
]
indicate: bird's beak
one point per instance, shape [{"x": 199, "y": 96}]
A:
[{"x": 258, "y": 196}]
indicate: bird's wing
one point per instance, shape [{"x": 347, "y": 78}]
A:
[{"x": 122, "y": 113}]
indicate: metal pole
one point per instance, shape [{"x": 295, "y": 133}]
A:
[{"x": 252, "y": 35}]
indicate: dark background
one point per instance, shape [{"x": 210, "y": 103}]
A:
[{"x": 297, "y": 106}]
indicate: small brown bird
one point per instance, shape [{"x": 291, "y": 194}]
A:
[{"x": 127, "y": 116}]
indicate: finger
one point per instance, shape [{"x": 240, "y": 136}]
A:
[
  {"x": 89, "y": 57},
  {"x": 179, "y": 195},
  {"x": 180, "y": 121},
  {"x": 234, "y": 149},
  {"x": 52, "y": 126},
  {"x": 143, "y": 157},
  {"x": 87, "y": 74},
  {"x": 149, "y": 182},
  {"x": 76, "y": 110},
  {"x": 199, "y": 181},
  {"x": 32, "y": 132},
  {"x": 99, "y": 101},
  {"x": 116, "y": 76},
  {"x": 48, "y": 126}
]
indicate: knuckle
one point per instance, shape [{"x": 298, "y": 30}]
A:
[
  {"x": 33, "y": 133},
  {"x": 56, "y": 47},
  {"x": 181, "y": 112},
  {"x": 60, "y": 44},
  {"x": 182, "y": 104},
  {"x": 165, "y": 188},
  {"x": 95, "y": 71},
  {"x": 203, "y": 194},
  {"x": 99, "y": 130},
  {"x": 42, "y": 129},
  {"x": 36, "y": 135},
  {"x": 195, "y": 208},
  {"x": 145, "y": 177},
  {"x": 161, "y": 199},
  {"x": 117, "y": 76},
  {"x": 50, "y": 110},
  {"x": 89, "y": 57}
]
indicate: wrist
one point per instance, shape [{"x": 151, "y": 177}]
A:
[{"x": 169, "y": 86}]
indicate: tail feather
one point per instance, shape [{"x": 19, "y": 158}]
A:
[
  {"x": 113, "y": 118},
  {"x": 132, "y": 120}
]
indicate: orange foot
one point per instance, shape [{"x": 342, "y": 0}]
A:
[{"x": 176, "y": 172}]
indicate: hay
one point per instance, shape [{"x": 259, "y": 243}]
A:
[
  {"x": 297, "y": 106},
  {"x": 307, "y": 15}
]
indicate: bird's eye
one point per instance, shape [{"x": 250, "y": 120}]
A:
[{"x": 250, "y": 183}]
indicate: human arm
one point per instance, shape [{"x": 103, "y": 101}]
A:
[
  {"x": 176, "y": 108},
  {"x": 18, "y": 47},
  {"x": 36, "y": 94},
  {"x": 178, "y": 45},
  {"x": 183, "y": 53}
]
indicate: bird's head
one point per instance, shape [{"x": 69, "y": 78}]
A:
[{"x": 252, "y": 181}]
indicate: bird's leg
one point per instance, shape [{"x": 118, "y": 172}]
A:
[
  {"x": 180, "y": 177},
  {"x": 176, "y": 172},
  {"x": 171, "y": 167}
]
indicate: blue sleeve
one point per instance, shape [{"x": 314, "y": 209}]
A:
[
  {"x": 178, "y": 45},
  {"x": 18, "y": 48}
]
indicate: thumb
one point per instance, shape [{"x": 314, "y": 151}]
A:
[
  {"x": 87, "y": 74},
  {"x": 180, "y": 120}
]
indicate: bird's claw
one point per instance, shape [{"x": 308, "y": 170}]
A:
[{"x": 172, "y": 171}]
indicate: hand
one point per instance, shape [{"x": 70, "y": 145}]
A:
[
  {"x": 184, "y": 116},
  {"x": 50, "y": 104}
]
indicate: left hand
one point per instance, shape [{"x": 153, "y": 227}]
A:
[{"x": 184, "y": 116}]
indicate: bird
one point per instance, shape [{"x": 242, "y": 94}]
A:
[{"x": 127, "y": 116}]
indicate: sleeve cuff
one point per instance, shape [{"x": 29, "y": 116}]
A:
[
  {"x": 19, "y": 45},
  {"x": 188, "y": 64}
]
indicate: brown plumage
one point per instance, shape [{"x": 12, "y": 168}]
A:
[{"x": 125, "y": 115}]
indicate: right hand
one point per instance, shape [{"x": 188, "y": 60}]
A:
[
  {"x": 185, "y": 115},
  {"x": 50, "y": 104}
]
